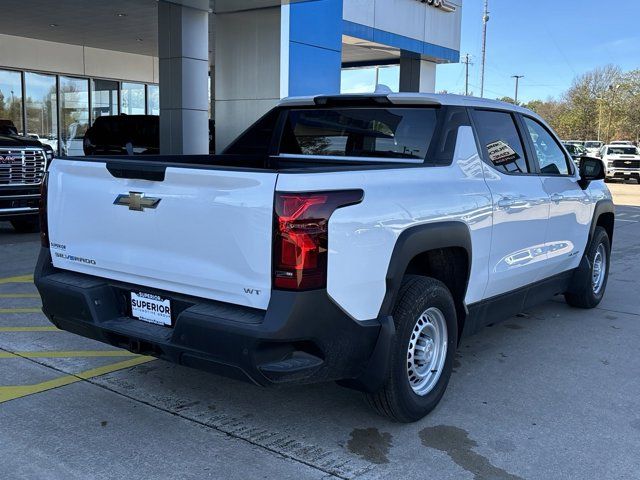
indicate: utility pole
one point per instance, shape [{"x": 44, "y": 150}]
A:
[
  {"x": 517, "y": 77},
  {"x": 485, "y": 19},
  {"x": 466, "y": 62}
]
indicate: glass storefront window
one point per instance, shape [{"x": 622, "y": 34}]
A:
[
  {"x": 42, "y": 106},
  {"x": 104, "y": 98},
  {"x": 132, "y": 101},
  {"x": 74, "y": 114},
  {"x": 153, "y": 99},
  {"x": 11, "y": 99}
]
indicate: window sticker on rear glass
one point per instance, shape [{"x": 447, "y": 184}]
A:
[{"x": 500, "y": 153}]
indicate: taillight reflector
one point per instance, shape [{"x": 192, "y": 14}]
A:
[{"x": 301, "y": 236}]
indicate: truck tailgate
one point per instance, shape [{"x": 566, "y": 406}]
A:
[{"x": 202, "y": 232}]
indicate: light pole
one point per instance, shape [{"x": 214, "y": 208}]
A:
[
  {"x": 517, "y": 77},
  {"x": 599, "y": 102},
  {"x": 613, "y": 89},
  {"x": 485, "y": 19}
]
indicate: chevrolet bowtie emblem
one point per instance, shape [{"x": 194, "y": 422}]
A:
[{"x": 136, "y": 201}]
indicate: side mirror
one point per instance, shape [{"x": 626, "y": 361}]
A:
[{"x": 590, "y": 169}]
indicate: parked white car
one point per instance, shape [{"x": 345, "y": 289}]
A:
[
  {"x": 621, "y": 161},
  {"x": 353, "y": 238},
  {"x": 593, "y": 146}
]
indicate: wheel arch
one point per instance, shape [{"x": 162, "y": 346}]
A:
[
  {"x": 603, "y": 216},
  {"x": 440, "y": 250}
]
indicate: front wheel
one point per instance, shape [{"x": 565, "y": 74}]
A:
[
  {"x": 588, "y": 285},
  {"x": 423, "y": 350}
]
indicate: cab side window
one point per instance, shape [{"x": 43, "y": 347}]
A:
[
  {"x": 501, "y": 141},
  {"x": 550, "y": 156}
]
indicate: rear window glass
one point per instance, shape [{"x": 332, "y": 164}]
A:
[
  {"x": 401, "y": 133},
  {"x": 622, "y": 151},
  {"x": 499, "y": 136}
]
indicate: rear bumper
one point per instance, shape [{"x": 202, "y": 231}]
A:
[
  {"x": 302, "y": 337},
  {"x": 18, "y": 201}
]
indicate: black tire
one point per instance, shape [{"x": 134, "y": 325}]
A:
[
  {"x": 397, "y": 399},
  {"x": 26, "y": 225},
  {"x": 582, "y": 293}
]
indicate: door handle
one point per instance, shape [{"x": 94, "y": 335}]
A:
[{"x": 556, "y": 197}]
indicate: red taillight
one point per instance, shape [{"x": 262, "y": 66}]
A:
[
  {"x": 44, "y": 226},
  {"x": 301, "y": 236}
]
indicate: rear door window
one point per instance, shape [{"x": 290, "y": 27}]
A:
[
  {"x": 501, "y": 142},
  {"x": 386, "y": 133}
]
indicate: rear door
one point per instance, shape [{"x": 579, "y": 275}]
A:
[
  {"x": 520, "y": 204},
  {"x": 200, "y": 231},
  {"x": 571, "y": 209}
]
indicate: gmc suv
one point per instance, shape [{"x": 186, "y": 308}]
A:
[
  {"x": 23, "y": 162},
  {"x": 348, "y": 238}
]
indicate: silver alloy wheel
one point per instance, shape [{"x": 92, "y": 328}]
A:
[
  {"x": 427, "y": 351},
  {"x": 599, "y": 269}
]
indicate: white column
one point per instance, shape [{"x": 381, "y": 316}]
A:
[
  {"x": 427, "y": 77},
  {"x": 183, "y": 50}
]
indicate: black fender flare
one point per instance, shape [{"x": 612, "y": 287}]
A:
[
  {"x": 419, "y": 239},
  {"x": 411, "y": 242},
  {"x": 602, "y": 206}
]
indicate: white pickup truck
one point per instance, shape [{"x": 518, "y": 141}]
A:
[{"x": 340, "y": 238}]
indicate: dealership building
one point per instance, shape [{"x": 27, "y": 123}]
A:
[{"x": 65, "y": 63}]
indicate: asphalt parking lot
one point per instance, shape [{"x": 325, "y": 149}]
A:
[{"x": 551, "y": 393}]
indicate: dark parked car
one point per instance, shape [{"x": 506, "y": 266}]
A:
[
  {"x": 128, "y": 135},
  {"x": 23, "y": 162}
]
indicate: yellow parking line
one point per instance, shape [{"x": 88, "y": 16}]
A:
[
  {"x": 29, "y": 329},
  {"x": 20, "y": 310},
  {"x": 69, "y": 354},
  {"x": 18, "y": 391},
  {"x": 19, "y": 295},
  {"x": 18, "y": 279}
]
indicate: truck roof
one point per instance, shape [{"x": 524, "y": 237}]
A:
[{"x": 409, "y": 99}]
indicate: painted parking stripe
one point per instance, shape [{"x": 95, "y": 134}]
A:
[
  {"x": 30, "y": 329},
  {"x": 18, "y": 279},
  {"x": 17, "y": 391},
  {"x": 19, "y": 295},
  {"x": 68, "y": 354},
  {"x": 20, "y": 310}
]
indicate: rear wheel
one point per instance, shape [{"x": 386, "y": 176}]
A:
[
  {"x": 423, "y": 351},
  {"x": 588, "y": 285},
  {"x": 26, "y": 225}
]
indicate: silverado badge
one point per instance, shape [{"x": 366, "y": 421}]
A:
[{"x": 136, "y": 201}]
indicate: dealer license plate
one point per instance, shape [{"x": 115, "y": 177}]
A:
[{"x": 151, "y": 308}]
